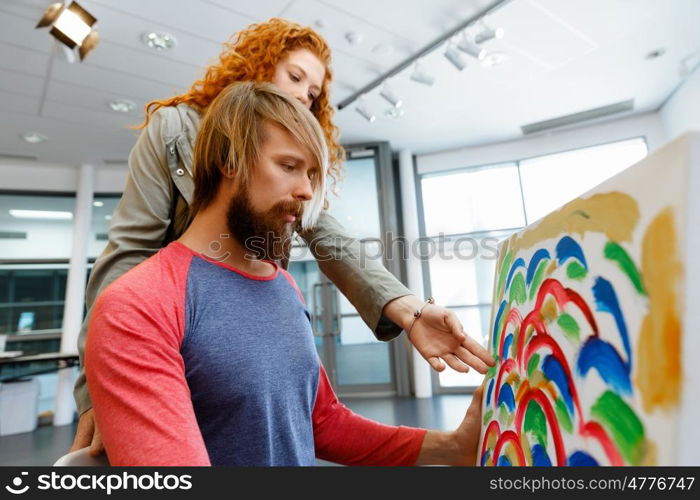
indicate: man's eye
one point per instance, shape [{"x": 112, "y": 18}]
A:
[{"x": 288, "y": 168}]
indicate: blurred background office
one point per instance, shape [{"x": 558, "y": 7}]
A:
[{"x": 464, "y": 121}]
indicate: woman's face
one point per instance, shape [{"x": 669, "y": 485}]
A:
[{"x": 301, "y": 74}]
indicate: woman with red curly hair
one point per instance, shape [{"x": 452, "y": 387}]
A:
[{"x": 155, "y": 206}]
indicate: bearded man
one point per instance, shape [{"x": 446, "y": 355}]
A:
[{"x": 204, "y": 353}]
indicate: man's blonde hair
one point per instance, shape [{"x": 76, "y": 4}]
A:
[{"x": 231, "y": 135}]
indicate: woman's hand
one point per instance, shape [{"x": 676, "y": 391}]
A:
[
  {"x": 438, "y": 336},
  {"x": 88, "y": 434}
]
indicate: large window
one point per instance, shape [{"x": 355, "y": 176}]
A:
[{"x": 465, "y": 214}]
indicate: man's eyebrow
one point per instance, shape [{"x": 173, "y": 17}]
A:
[{"x": 290, "y": 156}]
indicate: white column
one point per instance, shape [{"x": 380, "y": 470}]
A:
[
  {"x": 421, "y": 368},
  {"x": 75, "y": 292}
]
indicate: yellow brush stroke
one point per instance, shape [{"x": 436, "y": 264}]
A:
[
  {"x": 549, "y": 310},
  {"x": 659, "y": 351},
  {"x": 593, "y": 214}
]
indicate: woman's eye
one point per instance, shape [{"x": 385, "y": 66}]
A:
[
  {"x": 312, "y": 97},
  {"x": 294, "y": 77}
]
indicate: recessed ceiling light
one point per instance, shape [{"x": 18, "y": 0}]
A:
[
  {"x": 353, "y": 38},
  {"x": 108, "y": 217},
  {"x": 493, "y": 59},
  {"x": 34, "y": 137},
  {"x": 98, "y": 204},
  {"x": 121, "y": 105},
  {"x": 655, "y": 53},
  {"x": 394, "y": 112},
  {"x": 159, "y": 41},
  {"x": 40, "y": 214}
]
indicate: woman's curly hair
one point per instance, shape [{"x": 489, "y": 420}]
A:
[{"x": 252, "y": 55}]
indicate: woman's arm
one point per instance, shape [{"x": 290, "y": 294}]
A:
[
  {"x": 387, "y": 306},
  {"x": 138, "y": 228}
]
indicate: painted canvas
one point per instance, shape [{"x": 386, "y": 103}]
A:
[{"x": 591, "y": 325}]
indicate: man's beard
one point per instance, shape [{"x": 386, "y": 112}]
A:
[{"x": 267, "y": 236}]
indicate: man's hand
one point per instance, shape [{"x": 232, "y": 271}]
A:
[
  {"x": 468, "y": 433},
  {"x": 438, "y": 334},
  {"x": 88, "y": 434},
  {"x": 458, "y": 447}
]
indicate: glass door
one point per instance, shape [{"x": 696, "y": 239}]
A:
[{"x": 355, "y": 360}]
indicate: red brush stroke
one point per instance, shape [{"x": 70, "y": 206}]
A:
[
  {"x": 538, "y": 396},
  {"x": 506, "y": 367},
  {"x": 512, "y": 437},
  {"x": 513, "y": 317},
  {"x": 595, "y": 430}
]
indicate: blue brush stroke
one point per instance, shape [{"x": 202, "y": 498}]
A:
[
  {"x": 540, "y": 254},
  {"x": 519, "y": 262},
  {"x": 540, "y": 457},
  {"x": 554, "y": 371},
  {"x": 503, "y": 461},
  {"x": 486, "y": 456},
  {"x": 501, "y": 308},
  {"x": 506, "y": 397},
  {"x": 581, "y": 459},
  {"x": 489, "y": 390},
  {"x": 602, "y": 356},
  {"x": 506, "y": 346},
  {"x": 568, "y": 248},
  {"x": 606, "y": 301}
]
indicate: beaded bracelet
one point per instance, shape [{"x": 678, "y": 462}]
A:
[{"x": 419, "y": 312}]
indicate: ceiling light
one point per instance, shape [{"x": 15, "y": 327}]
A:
[
  {"x": 487, "y": 33},
  {"x": 394, "y": 112},
  {"x": 391, "y": 96},
  {"x": 455, "y": 57},
  {"x": 421, "y": 76},
  {"x": 470, "y": 47},
  {"x": 493, "y": 59},
  {"x": 108, "y": 217},
  {"x": 159, "y": 41},
  {"x": 121, "y": 105},
  {"x": 98, "y": 203},
  {"x": 364, "y": 111},
  {"x": 72, "y": 26},
  {"x": 33, "y": 137},
  {"x": 40, "y": 214},
  {"x": 353, "y": 38}
]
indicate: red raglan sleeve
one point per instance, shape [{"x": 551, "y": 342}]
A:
[
  {"x": 135, "y": 373},
  {"x": 344, "y": 437}
]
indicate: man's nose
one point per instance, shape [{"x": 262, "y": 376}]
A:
[{"x": 303, "y": 189}]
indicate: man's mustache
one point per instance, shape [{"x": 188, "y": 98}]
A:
[{"x": 295, "y": 208}]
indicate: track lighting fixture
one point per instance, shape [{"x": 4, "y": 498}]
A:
[
  {"x": 453, "y": 55},
  {"x": 468, "y": 45},
  {"x": 488, "y": 33},
  {"x": 364, "y": 111},
  {"x": 421, "y": 76},
  {"x": 391, "y": 97}
]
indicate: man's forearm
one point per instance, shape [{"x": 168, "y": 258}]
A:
[
  {"x": 440, "y": 448},
  {"x": 401, "y": 310}
]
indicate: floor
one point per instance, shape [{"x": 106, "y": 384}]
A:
[{"x": 45, "y": 445}]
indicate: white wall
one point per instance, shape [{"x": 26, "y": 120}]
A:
[
  {"x": 35, "y": 176},
  {"x": 648, "y": 125},
  {"x": 682, "y": 111}
]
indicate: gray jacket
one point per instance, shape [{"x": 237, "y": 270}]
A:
[{"x": 154, "y": 210}]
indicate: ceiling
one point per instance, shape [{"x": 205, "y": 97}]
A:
[{"x": 563, "y": 57}]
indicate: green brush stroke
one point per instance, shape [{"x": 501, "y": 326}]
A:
[
  {"x": 576, "y": 271},
  {"x": 487, "y": 416},
  {"x": 502, "y": 415},
  {"x": 569, "y": 325},
  {"x": 517, "y": 290},
  {"x": 563, "y": 416},
  {"x": 537, "y": 278},
  {"x": 502, "y": 273},
  {"x": 624, "y": 425},
  {"x": 532, "y": 364},
  {"x": 536, "y": 423},
  {"x": 613, "y": 251}
]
